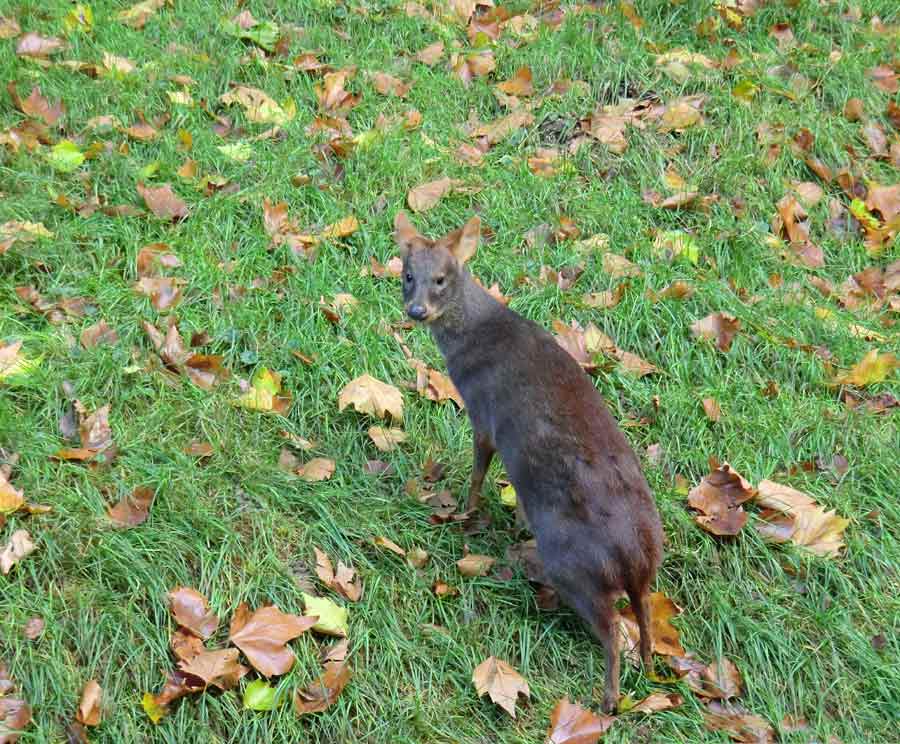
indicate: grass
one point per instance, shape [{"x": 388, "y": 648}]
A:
[{"x": 239, "y": 529}]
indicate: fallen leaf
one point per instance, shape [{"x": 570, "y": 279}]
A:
[
  {"x": 11, "y": 499},
  {"x": 884, "y": 77},
  {"x": 37, "y": 46},
  {"x": 384, "y": 542},
  {"x": 36, "y": 106},
  {"x": 317, "y": 469},
  {"x": 9, "y": 28},
  {"x": 711, "y": 409},
  {"x": 427, "y": 195},
  {"x": 88, "y": 712},
  {"x": 259, "y": 107},
  {"x": 324, "y": 692},
  {"x": 345, "y": 581},
  {"x": 388, "y": 85},
  {"x": 164, "y": 292},
  {"x": 432, "y": 54},
  {"x": 371, "y": 396},
  {"x": 572, "y": 724},
  {"x": 872, "y": 368},
  {"x": 329, "y": 617},
  {"x": 499, "y": 129},
  {"x": 656, "y": 702},
  {"x": 417, "y": 557},
  {"x": 682, "y": 114},
  {"x": 332, "y": 95},
  {"x": 385, "y": 439},
  {"x": 191, "y": 610},
  {"x": 263, "y": 637},
  {"x": 266, "y": 394},
  {"x": 137, "y": 15},
  {"x": 259, "y": 695},
  {"x": 163, "y": 202},
  {"x": 185, "y": 645},
  {"x": 132, "y": 509},
  {"x": 739, "y": 724},
  {"x": 520, "y": 84},
  {"x": 475, "y": 565},
  {"x": 219, "y": 667},
  {"x": 34, "y": 628},
  {"x": 15, "y": 715},
  {"x": 177, "y": 685},
  {"x": 19, "y": 546},
  {"x": 97, "y": 334},
  {"x": 719, "y": 327},
  {"x": 503, "y": 683},
  {"x": 719, "y": 680},
  {"x": 807, "y": 524},
  {"x": 719, "y": 497},
  {"x": 618, "y": 266},
  {"x": 666, "y": 641}
]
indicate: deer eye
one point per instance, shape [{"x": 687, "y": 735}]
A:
[
  {"x": 439, "y": 281},
  {"x": 408, "y": 278}
]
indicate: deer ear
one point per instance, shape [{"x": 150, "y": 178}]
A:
[
  {"x": 463, "y": 243},
  {"x": 404, "y": 232}
]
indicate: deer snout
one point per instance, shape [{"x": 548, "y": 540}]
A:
[{"x": 416, "y": 311}]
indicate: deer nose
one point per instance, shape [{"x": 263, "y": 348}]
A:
[{"x": 417, "y": 312}]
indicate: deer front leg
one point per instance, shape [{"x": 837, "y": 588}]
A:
[{"x": 484, "y": 453}]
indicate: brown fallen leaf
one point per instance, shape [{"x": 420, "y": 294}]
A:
[
  {"x": 332, "y": 95},
  {"x": 739, "y": 724},
  {"x": 719, "y": 327},
  {"x": 177, "y": 685},
  {"x": 263, "y": 637},
  {"x": 132, "y": 509},
  {"x": 386, "y": 439},
  {"x": 164, "y": 292},
  {"x": 191, "y": 610},
  {"x": 387, "y": 543},
  {"x": 371, "y": 396},
  {"x": 467, "y": 67},
  {"x": 315, "y": 470},
  {"x": 719, "y": 497},
  {"x": 153, "y": 258},
  {"x": 719, "y": 680},
  {"x": 34, "y": 628},
  {"x": 800, "y": 520},
  {"x": 37, "y": 46},
  {"x": 427, "y": 195},
  {"x": 18, "y": 547},
  {"x": 885, "y": 78},
  {"x": 682, "y": 114},
  {"x": 572, "y": 724},
  {"x": 11, "y": 498},
  {"x": 345, "y": 581},
  {"x": 9, "y": 28},
  {"x": 520, "y": 84},
  {"x": 432, "y": 54},
  {"x": 324, "y": 692},
  {"x": 185, "y": 645},
  {"x": 658, "y": 701},
  {"x": 15, "y": 715},
  {"x": 219, "y": 667},
  {"x": 499, "y": 129},
  {"x": 618, "y": 266},
  {"x": 475, "y": 565},
  {"x": 499, "y": 680},
  {"x": 711, "y": 409},
  {"x": 88, "y": 712},
  {"x": 163, "y": 202},
  {"x": 388, "y": 85},
  {"x": 666, "y": 641},
  {"x": 435, "y": 385},
  {"x": 36, "y": 106},
  {"x": 98, "y": 333},
  {"x": 137, "y": 15}
]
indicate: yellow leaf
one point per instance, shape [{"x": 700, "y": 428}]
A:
[
  {"x": 872, "y": 368},
  {"x": 155, "y": 712},
  {"x": 265, "y": 393},
  {"x": 332, "y": 618},
  {"x": 503, "y": 683},
  {"x": 368, "y": 395},
  {"x": 508, "y": 496}
]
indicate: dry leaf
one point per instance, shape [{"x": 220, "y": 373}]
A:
[
  {"x": 97, "y": 334},
  {"x": 572, "y": 724},
  {"x": 34, "y": 628},
  {"x": 807, "y": 524},
  {"x": 618, "y": 266},
  {"x": 263, "y": 636},
  {"x": 384, "y": 542},
  {"x": 219, "y": 667},
  {"x": 164, "y": 292},
  {"x": 475, "y": 565},
  {"x": 371, "y": 396},
  {"x": 259, "y": 107},
  {"x": 191, "y": 610},
  {"x": 657, "y": 701},
  {"x": 163, "y": 202},
  {"x": 11, "y": 499},
  {"x": 520, "y": 84},
  {"x": 19, "y": 546},
  {"x": 719, "y": 497},
  {"x": 872, "y": 368},
  {"x": 345, "y": 581},
  {"x": 499, "y": 129},
  {"x": 324, "y": 692},
  {"x": 37, "y": 46},
  {"x": 266, "y": 394},
  {"x": 718, "y": 327},
  {"x": 711, "y": 409},
  {"x": 132, "y": 509},
  {"x": 385, "y": 439},
  {"x": 317, "y": 469},
  {"x": 427, "y": 195},
  {"x": 666, "y": 640},
  {"x": 503, "y": 683},
  {"x": 431, "y": 54},
  {"x": 739, "y": 724},
  {"x": 388, "y": 85},
  {"x": 88, "y": 712}
]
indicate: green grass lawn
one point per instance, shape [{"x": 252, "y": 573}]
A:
[{"x": 238, "y": 528}]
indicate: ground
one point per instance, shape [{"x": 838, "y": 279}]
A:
[{"x": 239, "y": 528}]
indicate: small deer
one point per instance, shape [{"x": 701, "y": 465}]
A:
[{"x": 577, "y": 479}]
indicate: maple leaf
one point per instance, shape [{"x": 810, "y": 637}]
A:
[
  {"x": 872, "y": 368},
  {"x": 265, "y": 394},
  {"x": 499, "y": 680},
  {"x": 263, "y": 637},
  {"x": 317, "y": 469},
  {"x": 88, "y": 712},
  {"x": 719, "y": 497},
  {"x": 219, "y": 667},
  {"x": 427, "y": 195},
  {"x": 36, "y": 106},
  {"x": 332, "y": 95},
  {"x": 191, "y": 610},
  {"x": 719, "y": 327},
  {"x": 163, "y": 202},
  {"x": 345, "y": 581},
  {"x": 19, "y": 547},
  {"x": 520, "y": 84},
  {"x": 11, "y": 499},
  {"x": 738, "y": 723},
  {"x": 475, "y": 565},
  {"x": 666, "y": 641},
  {"x": 572, "y": 724},
  {"x": 807, "y": 524},
  {"x": 386, "y": 439},
  {"x": 324, "y": 692},
  {"x": 177, "y": 685},
  {"x": 259, "y": 107},
  {"x": 656, "y": 702},
  {"x": 369, "y": 395},
  {"x": 259, "y": 695},
  {"x": 132, "y": 509}
]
